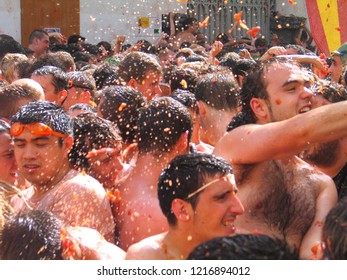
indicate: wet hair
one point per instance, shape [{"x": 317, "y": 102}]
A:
[
  {"x": 6, "y": 211},
  {"x": 244, "y": 247},
  {"x": 107, "y": 46},
  {"x": 161, "y": 124},
  {"x": 299, "y": 49},
  {"x": 75, "y": 38},
  {"x": 222, "y": 37},
  {"x": 136, "y": 65},
  {"x": 32, "y": 235},
  {"x": 185, "y": 174},
  {"x": 219, "y": 91},
  {"x": 254, "y": 86},
  {"x": 83, "y": 107},
  {"x": 59, "y": 77},
  {"x": 91, "y": 132},
  {"x": 181, "y": 78},
  {"x": 121, "y": 105},
  {"x": 37, "y": 33},
  {"x": 9, "y": 45},
  {"x": 11, "y": 63},
  {"x": 47, "y": 113},
  {"x": 331, "y": 91},
  {"x": 185, "y": 97},
  {"x": 101, "y": 73},
  {"x": 335, "y": 232},
  {"x": 13, "y": 95},
  {"x": 46, "y": 60},
  {"x": 4, "y": 127}
]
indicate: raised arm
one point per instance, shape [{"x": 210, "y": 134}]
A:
[{"x": 255, "y": 143}]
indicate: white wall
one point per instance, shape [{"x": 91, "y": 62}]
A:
[
  {"x": 104, "y": 20},
  {"x": 10, "y": 18}
]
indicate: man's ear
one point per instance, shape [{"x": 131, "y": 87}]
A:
[
  {"x": 132, "y": 83},
  {"x": 68, "y": 142},
  {"x": 259, "y": 107},
  {"x": 61, "y": 96},
  {"x": 85, "y": 96},
  {"x": 181, "y": 209},
  {"x": 202, "y": 108},
  {"x": 182, "y": 143}
]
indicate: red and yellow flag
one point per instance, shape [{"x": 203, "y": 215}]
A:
[{"x": 328, "y": 23}]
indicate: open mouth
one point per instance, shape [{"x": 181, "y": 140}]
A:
[{"x": 305, "y": 109}]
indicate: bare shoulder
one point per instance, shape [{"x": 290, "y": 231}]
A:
[{"x": 147, "y": 249}]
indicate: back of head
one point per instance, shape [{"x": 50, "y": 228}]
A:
[
  {"x": 244, "y": 247},
  {"x": 46, "y": 60},
  {"x": 80, "y": 79},
  {"x": 185, "y": 97},
  {"x": 12, "y": 97},
  {"x": 75, "y": 39},
  {"x": 182, "y": 78},
  {"x": 102, "y": 72},
  {"x": 335, "y": 232},
  {"x": 65, "y": 60},
  {"x": 9, "y": 45},
  {"x": 9, "y": 65},
  {"x": 330, "y": 90},
  {"x": 219, "y": 91},
  {"x": 161, "y": 124},
  {"x": 184, "y": 175},
  {"x": 136, "y": 65},
  {"x": 32, "y": 235},
  {"x": 121, "y": 105},
  {"x": 31, "y": 86},
  {"x": 46, "y": 113},
  {"x": 91, "y": 132}
]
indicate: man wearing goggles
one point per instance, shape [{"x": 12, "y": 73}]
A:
[{"x": 42, "y": 134}]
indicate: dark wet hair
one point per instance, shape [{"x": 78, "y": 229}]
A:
[
  {"x": 32, "y": 235},
  {"x": 161, "y": 124},
  {"x": 136, "y": 65},
  {"x": 121, "y": 105},
  {"x": 331, "y": 91},
  {"x": 219, "y": 91},
  {"x": 47, "y": 113},
  {"x": 185, "y": 97},
  {"x": 244, "y": 247},
  {"x": 184, "y": 175},
  {"x": 181, "y": 78},
  {"x": 91, "y": 132},
  {"x": 335, "y": 232},
  {"x": 59, "y": 77}
]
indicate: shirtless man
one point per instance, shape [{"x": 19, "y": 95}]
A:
[
  {"x": 42, "y": 133},
  {"x": 197, "y": 194},
  {"x": 275, "y": 124},
  {"x": 164, "y": 131},
  {"x": 329, "y": 157},
  {"x": 190, "y": 27}
]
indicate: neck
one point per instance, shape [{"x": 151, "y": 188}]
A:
[
  {"x": 178, "y": 244},
  {"x": 42, "y": 188}
]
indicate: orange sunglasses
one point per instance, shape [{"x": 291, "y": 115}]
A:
[{"x": 35, "y": 128}]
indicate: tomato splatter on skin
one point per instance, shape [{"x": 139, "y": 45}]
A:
[
  {"x": 278, "y": 101},
  {"x": 318, "y": 223}
]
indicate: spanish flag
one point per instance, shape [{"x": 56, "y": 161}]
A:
[{"x": 328, "y": 23}]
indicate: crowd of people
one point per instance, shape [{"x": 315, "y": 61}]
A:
[{"x": 176, "y": 149}]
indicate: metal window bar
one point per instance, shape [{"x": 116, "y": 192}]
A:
[{"x": 221, "y": 13}]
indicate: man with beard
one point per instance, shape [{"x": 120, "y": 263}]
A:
[
  {"x": 329, "y": 157},
  {"x": 283, "y": 196}
]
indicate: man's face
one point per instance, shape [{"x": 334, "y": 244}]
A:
[
  {"x": 106, "y": 165},
  {"x": 289, "y": 91},
  {"x": 149, "y": 87},
  {"x": 40, "y": 158},
  {"x": 216, "y": 209},
  {"x": 48, "y": 87},
  {"x": 42, "y": 45},
  {"x": 8, "y": 166},
  {"x": 335, "y": 69}
]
